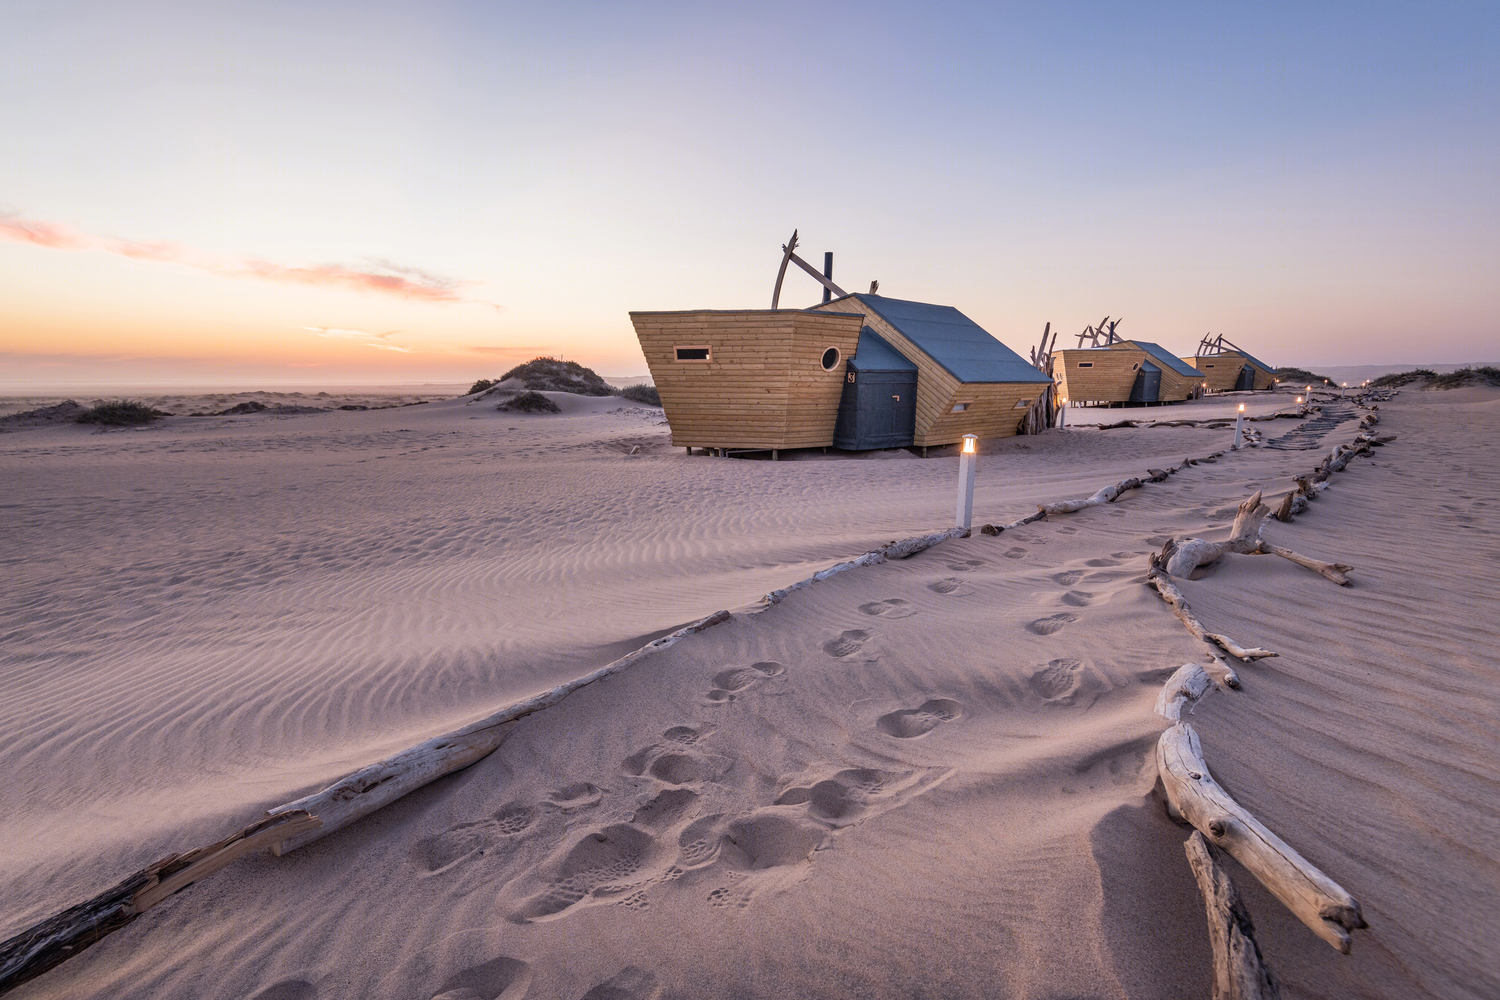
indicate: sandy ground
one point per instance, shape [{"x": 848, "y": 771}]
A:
[{"x": 930, "y": 777}]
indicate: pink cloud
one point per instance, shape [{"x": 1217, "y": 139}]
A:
[{"x": 390, "y": 279}]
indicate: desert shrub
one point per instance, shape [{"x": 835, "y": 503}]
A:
[
  {"x": 1395, "y": 379},
  {"x": 120, "y": 413},
  {"x": 553, "y": 375},
  {"x": 1483, "y": 375},
  {"x": 642, "y": 393},
  {"x": 1295, "y": 375},
  {"x": 529, "y": 402},
  {"x": 480, "y": 386}
]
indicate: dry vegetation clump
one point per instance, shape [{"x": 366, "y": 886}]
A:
[
  {"x": 641, "y": 393},
  {"x": 1301, "y": 375},
  {"x": 1428, "y": 379},
  {"x": 554, "y": 375},
  {"x": 120, "y": 413},
  {"x": 480, "y": 386},
  {"x": 529, "y": 402}
]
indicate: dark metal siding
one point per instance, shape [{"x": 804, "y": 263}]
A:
[{"x": 1147, "y": 388}]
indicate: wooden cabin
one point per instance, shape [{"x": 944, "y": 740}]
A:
[
  {"x": 1233, "y": 370},
  {"x": 754, "y": 380},
  {"x": 1128, "y": 371},
  {"x": 967, "y": 382},
  {"x": 763, "y": 380}
]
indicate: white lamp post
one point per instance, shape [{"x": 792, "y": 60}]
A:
[
  {"x": 1239, "y": 427},
  {"x": 967, "y": 458}
]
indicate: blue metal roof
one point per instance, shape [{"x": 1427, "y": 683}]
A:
[
  {"x": 1258, "y": 362},
  {"x": 874, "y": 354},
  {"x": 1167, "y": 358},
  {"x": 953, "y": 340}
]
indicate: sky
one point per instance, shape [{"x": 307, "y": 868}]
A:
[{"x": 316, "y": 192}]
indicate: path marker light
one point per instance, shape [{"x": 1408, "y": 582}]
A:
[
  {"x": 1062, "y": 411},
  {"x": 967, "y": 458},
  {"x": 1239, "y": 427}
]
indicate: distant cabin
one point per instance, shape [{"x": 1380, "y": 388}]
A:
[
  {"x": 1233, "y": 370},
  {"x": 860, "y": 372},
  {"x": 1130, "y": 371}
]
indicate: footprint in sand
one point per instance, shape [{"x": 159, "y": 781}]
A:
[
  {"x": 1015, "y": 552},
  {"x": 909, "y": 723},
  {"x": 664, "y": 810},
  {"x": 606, "y": 863},
  {"x": 698, "y": 845},
  {"x": 630, "y": 984},
  {"x": 965, "y": 565},
  {"x": 1051, "y": 624},
  {"x": 288, "y": 989},
  {"x": 951, "y": 585},
  {"x": 1102, "y": 562},
  {"x": 893, "y": 607},
  {"x": 1067, "y": 529},
  {"x": 1058, "y": 681},
  {"x": 462, "y": 966},
  {"x": 444, "y": 850},
  {"x": 1068, "y": 578},
  {"x": 735, "y": 680},
  {"x": 846, "y": 643},
  {"x": 1125, "y": 555},
  {"x": 572, "y": 798},
  {"x": 1078, "y": 598},
  {"x": 513, "y": 818}
]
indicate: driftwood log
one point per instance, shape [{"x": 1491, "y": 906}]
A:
[
  {"x": 58, "y": 938},
  {"x": 1108, "y": 494},
  {"x": 1193, "y": 795},
  {"x": 891, "y": 550},
  {"x": 1162, "y": 581},
  {"x": 1180, "y": 558},
  {"x": 1187, "y": 685},
  {"x": 1240, "y": 972},
  {"x": 369, "y": 788}
]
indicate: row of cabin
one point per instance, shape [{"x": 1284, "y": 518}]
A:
[
  {"x": 1136, "y": 371},
  {"x": 859, "y": 372}
]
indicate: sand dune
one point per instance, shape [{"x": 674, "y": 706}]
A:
[{"x": 926, "y": 777}]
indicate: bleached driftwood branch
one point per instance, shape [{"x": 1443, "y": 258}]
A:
[
  {"x": 891, "y": 550},
  {"x": 1179, "y": 558},
  {"x": 1183, "y": 689},
  {"x": 1162, "y": 581},
  {"x": 369, "y": 788},
  {"x": 58, "y": 938},
  {"x": 1108, "y": 494},
  {"x": 1240, "y": 973},
  {"x": 1193, "y": 795}
]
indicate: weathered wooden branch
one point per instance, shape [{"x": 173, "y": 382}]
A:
[
  {"x": 1193, "y": 795},
  {"x": 369, "y": 788},
  {"x": 1108, "y": 494},
  {"x": 1162, "y": 581},
  {"x": 1187, "y": 685},
  {"x": 891, "y": 550},
  {"x": 1181, "y": 557},
  {"x": 58, "y": 938},
  {"x": 1240, "y": 973}
]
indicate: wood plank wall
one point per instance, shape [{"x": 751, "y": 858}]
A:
[
  {"x": 764, "y": 386},
  {"x": 1113, "y": 375},
  {"x": 992, "y": 413},
  {"x": 1221, "y": 371}
]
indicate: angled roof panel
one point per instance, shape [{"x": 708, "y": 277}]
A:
[
  {"x": 1168, "y": 358},
  {"x": 1257, "y": 362},
  {"x": 874, "y": 354},
  {"x": 953, "y": 340}
]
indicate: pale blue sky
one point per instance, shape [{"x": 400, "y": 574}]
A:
[{"x": 1319, "y": 185}]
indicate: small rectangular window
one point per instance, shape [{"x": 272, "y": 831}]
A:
[
  {"x": 1022, "y": 404},
  {"x": 1208, "y": 366},
  {"x": 693, "y": 354},
  {"x": 1085, "y": 364},
  {"x": 959, "y": 407}
]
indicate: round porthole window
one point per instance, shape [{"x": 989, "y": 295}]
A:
[{"x": 830, "y": 359}]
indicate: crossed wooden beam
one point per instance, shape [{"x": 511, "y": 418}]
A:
[{"x": 789, "y": 255}]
